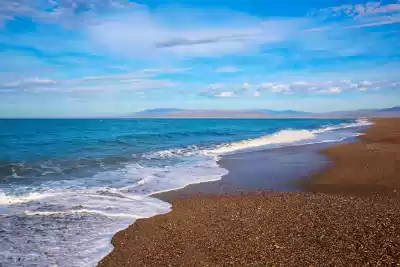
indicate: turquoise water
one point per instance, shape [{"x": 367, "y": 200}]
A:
[{"x": 67, "y": 185}]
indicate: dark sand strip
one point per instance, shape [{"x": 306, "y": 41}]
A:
[
  {"x": 275, "y": 169},
  {"x": 284, "y": 229}
]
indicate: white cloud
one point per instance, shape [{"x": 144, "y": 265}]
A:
[
  {"x": 266, "y": 85},
  {"x": 142, "y": 76},
  {"x": 334, "y": 90},
  {"x": 370, "y": 14},
  {"x": 366, "y": 83},
  {"x": 60, "y": 12},
  {"x": 166, "y": 70},
  {"x": 373, "y": 24},
  {"x": 225, "y": 94},
  {"x": 131, "y": 85},
  {"x": 275, "y": 87},
  {"x": 301, "y": 83},
  {"x": 358, "y": 10},
  {"x": 29, "y": 82},
  {"x": 395, "y": 84},
  {"x": 216, "y": 86},
  {"x": 309, "y": 87},
  {"x": 227, "y": 69},
  {"x": 374, "y": 8},
  {"x": 148, "y": 34},
  {"x": 246, "y": 86}
]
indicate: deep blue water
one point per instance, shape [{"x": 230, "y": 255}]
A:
[{"x": 62, "y": 180}]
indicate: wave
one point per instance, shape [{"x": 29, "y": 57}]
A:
[
  {"x": 286, "y": 136},
  {"x": 357, "y": 123},
  {"x": 60, "y": 213},
  {"x": 283, "y": 137},
  {"x": 12, "y": 199},
  {"x": 87, "y": 166}
]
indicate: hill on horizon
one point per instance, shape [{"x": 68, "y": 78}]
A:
[{"x": 259, "y": 113}]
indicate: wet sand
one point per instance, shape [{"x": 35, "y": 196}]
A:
[
  {"x": 358, "y": 226},
  {"x": 253, "y": 171}
]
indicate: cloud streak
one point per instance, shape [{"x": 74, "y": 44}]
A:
[
  {"x": 60, "y": 12},
  {"x": 131, "y": 85},
  {"x": 227, "y": 69},
  {"x": 232, "y": 33},
  {"x": 143, "y": 79},
  {"x": 358, "y": 10},
  {"x": 303, "y": 87}
]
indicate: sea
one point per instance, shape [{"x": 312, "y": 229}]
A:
[{"x": 68, "y": 185}]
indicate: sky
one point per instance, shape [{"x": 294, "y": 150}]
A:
[{"x": 83, "y": 58}]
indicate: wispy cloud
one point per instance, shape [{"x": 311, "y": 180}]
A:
[
  {"x": 36, "y": 81},
  {"x": 134, "y": 85},
  {"x": 141, "y": 76},
  {"x": 225, "y": 94},
  {"x": 227, "y": 69},
  {"x": 139, "y": 80},
  {"x": 333, "y": 90},
  {"x": 370, "y": 14},
  {"x": 382, "y": 21},
  {"x": 308, "y": 87},
  {"x": 231, "y": 33},
  {"x": 358, "y": 10},
  {"x": 216, "y": 86},
  {"x": 60, "y": 12}
]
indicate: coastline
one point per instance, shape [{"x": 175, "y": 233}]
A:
[{"x": 158, "y": 240}]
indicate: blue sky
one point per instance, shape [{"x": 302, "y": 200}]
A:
[{"x": 82, "y": 58}]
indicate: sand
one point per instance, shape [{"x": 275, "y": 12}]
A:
[
  {"x": 285, "y": 229},
  {"x": 370, "y": 165}
]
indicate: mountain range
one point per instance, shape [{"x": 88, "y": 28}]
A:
[{"x": 260, "y": 113}]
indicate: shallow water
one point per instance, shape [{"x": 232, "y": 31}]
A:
[{"x": 66, "y": 186}]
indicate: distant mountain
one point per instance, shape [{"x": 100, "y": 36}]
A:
[
  {"x": 196, "y": 113},
  {"x": 393, "y": 109},
  {"x": 386, "y": 112},
  {"x": 282, "y": 112},
  {"x": 160, "y": 110},
  {"x": 261, "y": 113}
]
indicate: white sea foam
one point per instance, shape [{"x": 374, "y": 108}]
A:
[
  {"x": 107, "y": 214},
  {"x": 285, "y": 136},
  {"x": 86, "y": 208},
  {"x": 358, "y": 123},
  {"x": 7, "y": 199}
]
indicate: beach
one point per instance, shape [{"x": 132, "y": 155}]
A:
[
  {"x": 91, "y": 178},
  {"x": 345, "y": 210}
]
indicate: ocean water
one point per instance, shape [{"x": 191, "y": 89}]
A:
[{"x": 66, "y": 186}]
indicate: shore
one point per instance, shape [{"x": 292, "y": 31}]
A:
[{"x": 358, "y": 224}]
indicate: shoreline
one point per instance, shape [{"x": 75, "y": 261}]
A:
[
  {"x": 196, "y": 206},
  {"x": 302, "y": 160},
  {"x": 241, "y": 165}
]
